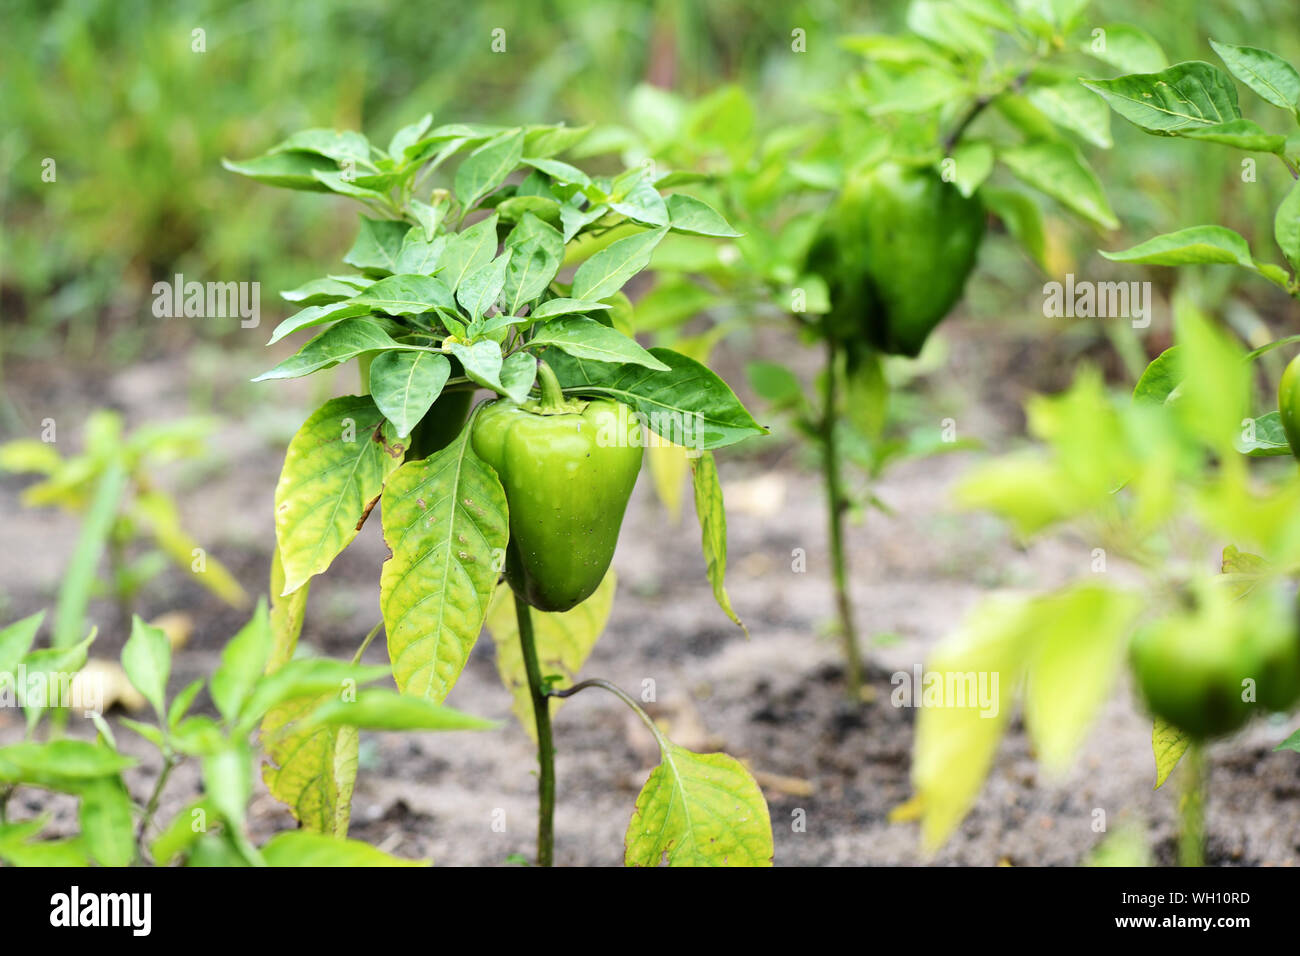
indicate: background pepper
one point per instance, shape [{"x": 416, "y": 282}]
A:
[
  {"x": 895, "y": 251},
  {"x": 568, "y": 469}
]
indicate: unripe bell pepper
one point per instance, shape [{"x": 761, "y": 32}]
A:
[
  {"x": 568, "y": 468},
  {"x": 895, "y": 251},
  {"x": 1288, "y": 404}
]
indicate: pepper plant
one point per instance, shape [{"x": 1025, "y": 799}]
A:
[
  {"x": 1209, "y": 652},
  {"x": 463, "y": 284},
  {"x": 112, "y": 488},
  {"x": 253, "y": 680},
  {"x": 862, "y": 223}
]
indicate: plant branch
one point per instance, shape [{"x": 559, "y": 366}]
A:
[
  {"x": 980, "y": 104},
  {"x": 835, "y": 506},
  {"x": 622, "y": 695},
  {"x": 545, "y": 744},
  {"x": 150, "y": 808}
]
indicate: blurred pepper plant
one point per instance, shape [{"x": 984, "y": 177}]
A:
[
  {"x": 1157, "y": 486},
  {"x": 861, "y": 223},
  {"x": 112, "y": 487},
  {"x": 251, "y": 682}
]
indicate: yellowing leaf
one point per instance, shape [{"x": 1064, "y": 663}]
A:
[{"x": 699, "y": 810}]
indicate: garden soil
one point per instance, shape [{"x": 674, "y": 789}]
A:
[{"x": 832, "y": 772}]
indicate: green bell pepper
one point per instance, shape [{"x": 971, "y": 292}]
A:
[
  {"x": 895, "y": 251},
  {"x": 568, "y": 468}
]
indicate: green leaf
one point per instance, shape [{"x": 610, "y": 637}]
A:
[
  {"x": 481, "y": 361},
  {"x": 537, "y": 250},
  {"x": 606, "y": 272},
  {"x": 181, "y": 702},
  {"x": 243, "y": 660},
  {"x": 555, "y": 307},
  {"x": 54, "y": 661},
  {"x": 1286, "y": 227},
  {"x": 1160, "y": 378},
  {"x": 378, "y": 245},
  {"x": 338, "y": 145},
  {"x": 972, "y": 162},
  {"x": 1023, "y": 219},
  {"x": 79, "y": 574},
  {"x": 404, "y": 385},
  {"x": 1239, "y": 133},
  {"x": 321, "y": 292},
  {"x": 408, "y": 136},
  {"x": 16, "y": 640},
  {"x": 689, "y": 406},
  {"x": 1185, "y": 95},
  {"x": 1058, "y": 170},
  {"x": 697, "y": 218},
  {"x": 1072, "y": 666},
  {"x": 445, "y": 522},
  {"x": 559, "y": 171},
  {"x": 286, "y": 170},
  {"x": 574, "y": 220},
  {"x": 1127, "y": 48},
  {"x": 147, "y": 660},
  {"x": 642, "y": 204},
  {"x": 518, "y": 373},
  {"x": 1168, "y": 744},
  {"x": 564, "y": 640},
  {"x": 387, "y": 710},
  {"x": 429, "y": 217},
  {"x": 337, "y": 344},
  {"x": 305, "y": 677},
  {"x": 315, "y": 315},
  {"x": 407, "y": 295},
  {"x": 488, "y": 166},
  {"x": 588, "y": 339},
  {"x": 542, "y": 142},
  {"x": 300, "y": 848},
  {"x": 1266, "y": 437},
  {"x": 228, "y": 781},
  {"x": 1267, "y": 74},
  {"x": 954, "y": 745},
  {"x": 333, "y": 473},
  {"x": 106, "y": 825},
  {"x": 1194, "y": 246},
  {"x": 713, "y": 529},
  {"x": 181, "y": 833},
  {"x": 468, "y": 250},
  {"x": 347, "y": 185},
  {"x": 479, "y": 290},
  {"x": 699, "y": 810},
  {"x": 420, "y": 254},
  {"x": 1071, "y": 107},
  {"x": 59, "y": 764}
]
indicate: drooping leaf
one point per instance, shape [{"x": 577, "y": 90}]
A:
[
  {"x": 713, "y": 529},
  {"x": 1059, "y": 171},
  {"x": 1193, "y": 246},
  {"x": 445, "y": 521}
]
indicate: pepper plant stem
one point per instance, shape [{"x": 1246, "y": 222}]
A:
[
  {"x": 1191, "y": 808},
  {"x": 545, "y": 744},
  {"x": 835, "y": 507}
]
